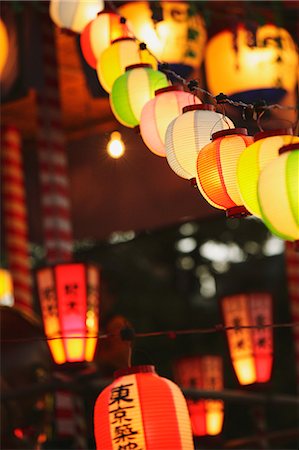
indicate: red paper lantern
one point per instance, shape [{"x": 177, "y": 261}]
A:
[
  {"x": 141, "y": 410},
  {"x": 251, "y": 349},
  {"x": 69, "y": 299},
  {"x": 204, "y": 372}
]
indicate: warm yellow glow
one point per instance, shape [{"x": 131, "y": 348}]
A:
[
  {"x": 168, "y": 38},
  {"x": 245, "y": 370},
  {"x": 266, "y": 65},
  {"x": 76, "y": 14},
  {"x": 3, "y": 46},
  {"x": 6, "y": 288},
  {"x": 214, "y": 416},
  {"x": 116, "y": 146}
]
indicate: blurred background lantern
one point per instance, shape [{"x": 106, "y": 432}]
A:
[
  {"x": 278, "y": 193},
  {"x": 69, "y": 299},
  {"x": 98, "y": 35},
  {"x": 217, "y": 170},
  {"x": 121, "y": 53},
  {"x": 254, "y": 158},
  {"x": 74, "y": 15},
  {"x": 250, "y": 65},
  {"x": 116, "y": 146},
  {"x": 189, "y": 133},
  {"x": 159, "y": 112},
  {"x": 251, "y": 349},
  {"x": 4, "y": 45},
  {"x": 142, "y": 410},
  {"x": 6, "y": 288},
  {"x": 203, "y": 372},
  {"x": 173, "y": 31},
  {"x": 132, "y": 90}
]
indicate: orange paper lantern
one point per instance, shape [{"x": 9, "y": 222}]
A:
[
  {"x": 69, "y": 299},
  {"x": 217, "y": 170},
  {"x": 251, "y": 350},
  {"x": 141, "y": 410},
  {"x": 204, "y": 372}
]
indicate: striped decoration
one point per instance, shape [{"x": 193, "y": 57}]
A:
[
  {"x": 80, "y": 424},
  {"x": 144, "y": 410},
  {"x": 217, "y": 168},
  {"x": 52, "y": 155},
  {"x": 132, "y": 90},
  {"x": 252, "y": 161},
  {"x": 292, "y": 270},
  {"x": 15, "y": 219},
  {"x": 121, "y": 53},
  {"x": 64, "y": 414}
]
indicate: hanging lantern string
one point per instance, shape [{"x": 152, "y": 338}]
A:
[
  {"x": 128, "y": 333},
  {"x": 193, "y": 85}
]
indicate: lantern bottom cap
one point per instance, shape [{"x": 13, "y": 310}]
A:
[{"x": 237, "y": 211}]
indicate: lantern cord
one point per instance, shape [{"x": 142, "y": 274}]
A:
[{"x": 170, "y": 334}]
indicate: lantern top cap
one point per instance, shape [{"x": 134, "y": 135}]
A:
[
  {"x": 122, "y": 39},
  {"x": 288, "y": 148},
  {"x": 229, "y": 132},
  {"x": 177, "y": 87},
  {"x": 202, "y": 107},
  {"x": 139, "y": 66},
  {"x": 270, "y": 133},
  {"x": 134, "y": 369}
]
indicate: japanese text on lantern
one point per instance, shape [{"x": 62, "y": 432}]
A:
[{"x": 126, "y": 434}]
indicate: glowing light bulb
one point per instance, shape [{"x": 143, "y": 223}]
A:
[{"x": 116, "y": 146}]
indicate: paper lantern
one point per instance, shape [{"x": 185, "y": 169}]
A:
[
  {"x": 254, "y": 158},
  {"x": 189, "y": 133},
  {"x": 141, "y": 410},
  {"x": 121, "y": 53},
  {"x": 179, "y": 38},
  {"x": 4, "y": 46},
  {"x": 98, "y": 35},
  {"x": 202, "y": 373},
  {"x": 251, "y": 349},
  {"x": 132, "y": 90},
  {"x": 251, "y": 66},
  {"x": 69, "y": 299},
  {"x": 159, "y": 112},
  {"x": 217, "y": 170},
  {"x": 278, "y": 194},
  {"x": 74, "y": 15},
  {"x": 6, "y": 288}
]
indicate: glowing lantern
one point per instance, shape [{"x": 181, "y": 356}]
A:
[
  {"x": 6, "y": 288},
  {"x": 116, "y": 146},
  {"x": 254, "y": 158},
  {"x": 278, "y": 194},
  {"x": 159, "y": 112},
  {"x": 202, "y": 373},
  {"x": 142, "y": 410},
  {"x": 4, "y": 45},
  {"x": 100, "y": 33},
  {"x": 189, "y": 133},
  {"x": 69, "y": 299},
  {"x": 179, "y": 38},
  {"x": 217, "y": 170},
  {"x": 121, "y": 53},
  {"x": 250, "y": 65},
  {"x": 132, "y": 90},
  {"x": 74, "y": 15},
  {"x": 251, "y": 349}
]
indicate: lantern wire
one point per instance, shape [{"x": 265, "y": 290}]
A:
[{"x": 128, "y": 334}]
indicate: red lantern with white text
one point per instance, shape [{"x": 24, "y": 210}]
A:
[
  {"x": 143, "y": 411},
  {"x": 251, "y": 349},
  {"x": 69, "y": 299},
  {"x": 202, "y": 373}
]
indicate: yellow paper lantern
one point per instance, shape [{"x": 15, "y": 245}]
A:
[
  {"x": 254, "y": 158},
  {"x": 278, "y": 194},
  {"x": 121, "y": 53},
  {"x": 189, "y": 133},
  {"x": 3, "y": 46},
  {"x": 6, "y": 288},
  {"x": 74, "y": 15},
  {"x": 251, "y": 66},
  {"x": 168, "y": 39}
]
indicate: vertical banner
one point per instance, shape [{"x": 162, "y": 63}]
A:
[
  {"x": 292, "y": 271},
  {"x": 15, "y": 219},
  {"x": 52, "y": 153}
]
